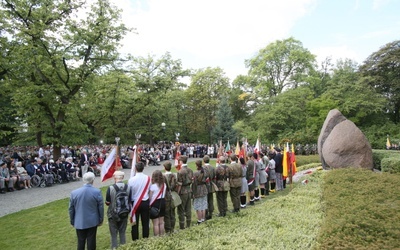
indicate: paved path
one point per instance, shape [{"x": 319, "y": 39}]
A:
[{"x": 33, "y": 197}]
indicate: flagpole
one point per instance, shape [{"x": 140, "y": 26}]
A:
[{"x": 117, "y": 139}]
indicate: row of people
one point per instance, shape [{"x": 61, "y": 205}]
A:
[{"x": 238, "y": 178}]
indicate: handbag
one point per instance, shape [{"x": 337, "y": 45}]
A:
[
  {"x": 176, "y": 199},
  {"x": 226, "y": 186},
  {"x": 154, "y": 211}
]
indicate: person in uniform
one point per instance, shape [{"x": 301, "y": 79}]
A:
[
  {"x": 235, "y": 181},
  {"x": 200, "y": 192},
  {"x": 170, "y": 181},
  {"x": 222, "y": 175},
  {"x": 210, "y": 186},
  {"x": 184, "y": 180},
  {"x": 262, "y": 175}
]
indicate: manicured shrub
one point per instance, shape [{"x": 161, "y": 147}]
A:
[
  {"x": 379, "y": 155},
  {"x": 361, "y": 210},
  {"x": 391, "y": 165},
  {"x": 307, "y": 159}
]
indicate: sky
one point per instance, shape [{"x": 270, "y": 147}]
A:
[{"x": 225, "y": 33}]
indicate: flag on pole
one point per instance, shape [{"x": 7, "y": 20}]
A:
[
  {"x": 220, "y": 153},
  {"x": 228, "y": 148},
  {"x": 237, "y": 149},
  {"x": 109, "y": 166},
  {"x": 177, "y": 156},
  {"x": 285, "y": 161},
  {"x": 293, "y": 161},
  {"x": 257, "y": 148},
  {"x": 134, "y": 160},
  {"x": 388, "y": 145}
]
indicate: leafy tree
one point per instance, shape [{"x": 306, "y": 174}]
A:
[
  {"x": 281, "y": 65},
  {"x": 382, "y": 72},
  {"x": 202, "y": 98},
  {"x": 224, "y": 121},
  {"x": 283, "y": 115},
  {"x": 355, "y": 99},
  {"x": 54, "y": 55},
  {"x": 153, "y": 79}
]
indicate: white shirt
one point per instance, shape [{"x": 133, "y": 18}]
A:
[
  {"x": 155, "y": 191},
  {"x": 137, "y": 184}
]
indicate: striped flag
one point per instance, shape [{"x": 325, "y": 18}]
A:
[
  {"x": 109, "y": 166},
  {"x": 257, "y": 148}
]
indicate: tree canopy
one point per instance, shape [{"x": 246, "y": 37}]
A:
[{"x": 64, "y": 82}]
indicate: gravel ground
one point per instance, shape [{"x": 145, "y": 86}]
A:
[{"x": 13, "y": 202}]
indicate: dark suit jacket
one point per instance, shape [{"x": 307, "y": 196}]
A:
[{"x": 278, "y": 163}]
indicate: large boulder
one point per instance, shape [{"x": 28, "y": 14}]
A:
[{"x": 342, "y": 144}]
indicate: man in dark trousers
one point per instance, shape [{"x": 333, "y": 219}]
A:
[
  {"x": 210, "y": 186},
  {"x": 86, "y": 212},
  {"x": 278, "y": 169},
  {"x": 235, "y": 181}
]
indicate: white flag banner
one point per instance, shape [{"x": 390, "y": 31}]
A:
[
  {"x": 108, "y": 168},
  {"x": 134, "y": 159}
]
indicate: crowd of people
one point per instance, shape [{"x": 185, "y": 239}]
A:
[{"x": 153, "y": 199}]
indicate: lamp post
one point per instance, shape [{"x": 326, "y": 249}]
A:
[
  {"x": 137, "y": 136},
  {"x": 163, "y": 129},
  {"x": 117, "y": 140}
]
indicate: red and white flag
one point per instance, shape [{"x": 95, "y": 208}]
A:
[
  {"x": 109, "y": 165},
  {"x": 257, "y": 148}
]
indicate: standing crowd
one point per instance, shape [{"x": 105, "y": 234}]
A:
[{"x": 165, "y": 197}]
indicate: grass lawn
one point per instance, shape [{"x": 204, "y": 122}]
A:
[{"x": 340, "y": 209}]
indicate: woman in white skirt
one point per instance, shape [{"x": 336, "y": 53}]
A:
[{"x": 199, "y": 191}]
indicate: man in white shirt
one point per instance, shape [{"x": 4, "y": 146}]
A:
[{"x": 139, "y": 186}]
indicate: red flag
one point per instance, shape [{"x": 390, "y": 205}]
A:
[
  {"x": 109, "y": 166},
  {"x": 293, "y": 161},
  {"x": 177, "y": 156}
]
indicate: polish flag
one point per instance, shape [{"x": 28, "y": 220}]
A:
[{"x": 109, "y": 165}]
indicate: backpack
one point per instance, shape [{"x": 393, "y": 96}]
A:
[{"x": 121, "y": 209}]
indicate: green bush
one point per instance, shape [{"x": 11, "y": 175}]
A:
[
  {"x": 361, "y": 209},
  {"x": 379, "y": 155},
  {"x": 307, "y": 159},
  {"x": 391, "y": 165}
]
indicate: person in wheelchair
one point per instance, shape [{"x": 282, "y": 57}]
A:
[
  {"x": 60, "y": 169},
  {"x": 44, "y": 171},
  {"x": 93, "y": 166},
  {"x": 71, "y": 169}
]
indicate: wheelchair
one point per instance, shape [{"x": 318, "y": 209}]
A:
[{"x": 41, "y": 180}]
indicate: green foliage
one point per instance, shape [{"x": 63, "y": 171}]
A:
[
  {"x": 202, "y": 100},
  {"x": 224, "y": 126},
  {"x": 361, "y": 210},
  {"x": 307, "y": 159},
  {"x": 391, "y": 165},
  {"x": 382, "y": 71},
  {"x": 379, "y": 155},
  {"x": 280, "y": 65}
]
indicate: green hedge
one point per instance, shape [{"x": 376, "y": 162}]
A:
[
  {"x": 362, "y": 210},
  {"x": 391, "y": 165},
  {"x": 379, "y": 155}
]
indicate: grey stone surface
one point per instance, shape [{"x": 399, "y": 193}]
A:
[{"x": 342, "y": 144}]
